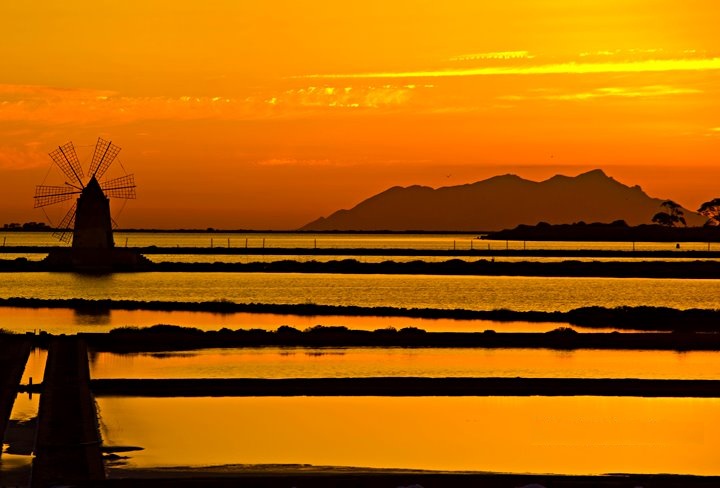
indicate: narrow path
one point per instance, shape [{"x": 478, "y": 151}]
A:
[{"x": 68, "y": 441}]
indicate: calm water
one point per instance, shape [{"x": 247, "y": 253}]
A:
[
  {"x": 410, "y": 291},
  {"x": 426, "y": 362},
  {"x": 25, "y": 408},
  {"x": 572, "y": 435},
  {"x": 67, "y": 321},
  {"x": 347, "y": 241}
]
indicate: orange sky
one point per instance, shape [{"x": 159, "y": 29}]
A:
[{"x": 270, "y": 114}]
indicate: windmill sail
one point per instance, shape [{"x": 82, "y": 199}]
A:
[
  {"x": 105, "y": 153},
  {"x": 64, "y": 230},
  {"x": 88, "y": 223},
  {"x": 48, "y": 195},
  {"x": 66, "y": 159},
  {"x": 122, "y": 187}
]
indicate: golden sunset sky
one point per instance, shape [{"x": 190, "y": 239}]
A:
[{"x": 269, "y": 114}]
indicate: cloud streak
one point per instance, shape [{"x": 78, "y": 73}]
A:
[
  {"x": 642, "y": 66},
  {"x": 494, "y": 55},
  {"x": 608, "y": 92},
  {"x": 50, "y": 105},
  {"x": 346, "y": 96}
]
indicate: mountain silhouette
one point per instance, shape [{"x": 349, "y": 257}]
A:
[{"x": 500, "y": 202}]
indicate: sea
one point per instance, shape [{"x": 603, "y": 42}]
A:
[{"x": 565, "y": 435}]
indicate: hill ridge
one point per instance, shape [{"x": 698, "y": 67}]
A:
[{"x": 499, "y": 202}]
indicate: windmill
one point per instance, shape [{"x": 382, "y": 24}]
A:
[{"x": 88, "y": 222}]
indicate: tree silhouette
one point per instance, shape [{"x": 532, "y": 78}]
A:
[
  {"x": 672, "y": 215},
  {"x": 711, "y": 210}
]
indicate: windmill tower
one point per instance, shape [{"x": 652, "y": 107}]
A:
[{"x": 88, "y": 222}]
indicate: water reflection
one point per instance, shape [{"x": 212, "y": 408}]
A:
[
  {"x": 571, "y": 435},
  {"x": 426, "y": 362},
  {"x": 92, "y": 317},
  {"x": 19, "y": 438},
  {"x": 409, "y": 291},
  {"x": 68, "y": 321}
]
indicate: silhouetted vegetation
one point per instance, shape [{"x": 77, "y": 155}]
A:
[
  {"x": 670, "y": 216},
  {"x": 711, "y": 210},
  {"x": 282, "y": 476},
  {"x": 164, "y": 338},
  {"x": 27, "y": 227},
  {"x": 617, "y": 231},
  {"x": 483, "y": 267},
  {"x": 633, "y": 318}
]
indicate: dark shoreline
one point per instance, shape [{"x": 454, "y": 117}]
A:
[
  {"x": 632, "y": 318},
  {"x": 162, "y": 338},
  {"x": 332, "y": 477},
  {"x": 479, "y": 249},
  {"x": 697, "y": 269}
]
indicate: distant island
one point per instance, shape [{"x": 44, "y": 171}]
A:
[{"x": 500, "y": 202}]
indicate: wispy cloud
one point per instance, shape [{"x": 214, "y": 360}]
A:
[
  {"x": 494, "y": 55},
  {"x": 346, "y": 96},
  {"x": 50, "y": 105},
  {"x": 605, "y": 92},
  {"x": 639, "y": 66},
  {"x": 24, "y": 156}
]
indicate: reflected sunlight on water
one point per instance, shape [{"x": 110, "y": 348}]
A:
[
  {"x": 276, "y": 362},
  {"x": 571, "y": 435},
  {"x": 66, "y": 321},
  {"x": 24, "y": 413},
  {"x": 422, "y": 291}
]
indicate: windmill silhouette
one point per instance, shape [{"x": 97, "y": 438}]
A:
[{"x": 88, "y": 222}]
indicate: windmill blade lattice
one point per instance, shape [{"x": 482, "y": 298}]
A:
[
  {"x": 48, "y": 195},
  {"x": 64, "y": 230},
  {"x": 78, "y": 185},
  {"x": 105, "y": 153},
  {"x": 122, "y": 187},
  {"x": 67, "y": 160}
]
